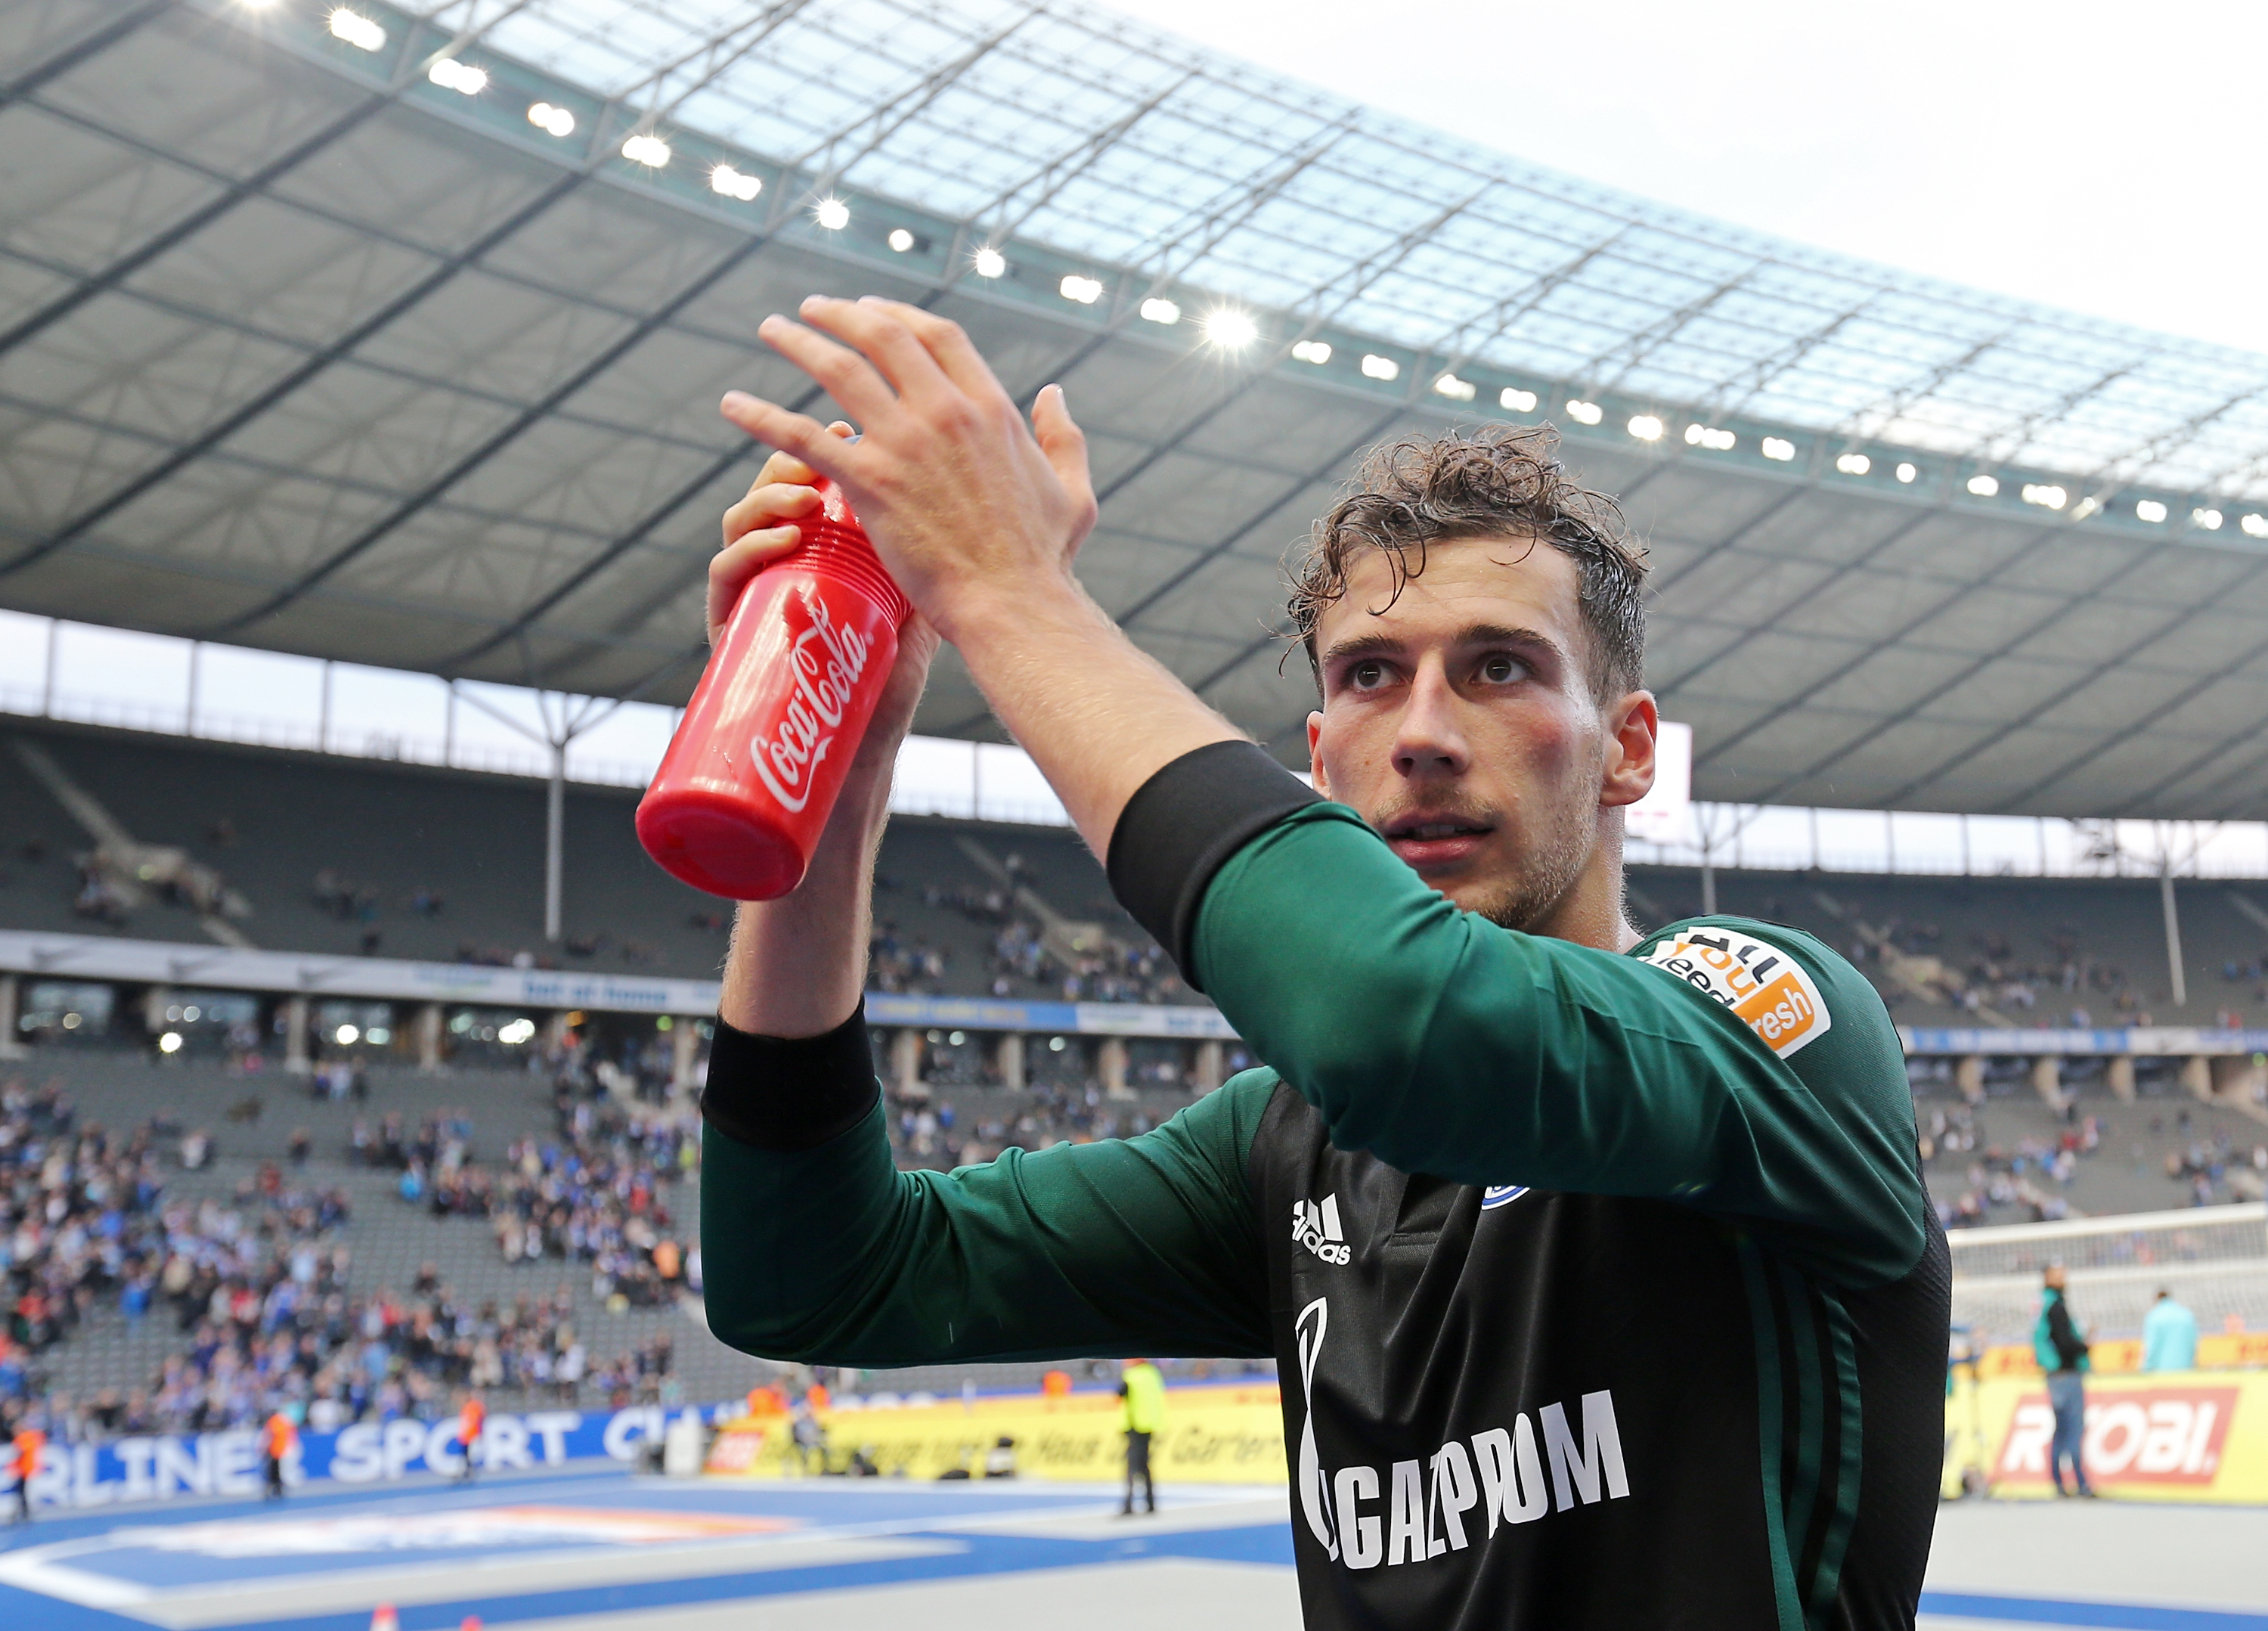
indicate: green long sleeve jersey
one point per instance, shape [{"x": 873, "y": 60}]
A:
[{"x": 1488, "y": 1185}]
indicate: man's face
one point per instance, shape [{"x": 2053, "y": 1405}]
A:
[
  {"x": 2053, "y": 1279},
  {"x": 1461, "y": 722}
]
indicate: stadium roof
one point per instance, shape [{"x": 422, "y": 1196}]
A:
[{"x": 397, "y": 338}]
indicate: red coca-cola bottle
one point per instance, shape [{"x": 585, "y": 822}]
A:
[{"x": 751, "y": 776}]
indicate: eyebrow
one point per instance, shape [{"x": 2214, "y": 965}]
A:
[{"x": 1378, "y": 643}]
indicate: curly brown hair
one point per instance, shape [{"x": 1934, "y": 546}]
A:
[{"x": 1493, "y": 480}]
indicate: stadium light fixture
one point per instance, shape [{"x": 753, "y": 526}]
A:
[
  {"x": 1316, "y": 351},
  {"x": 2046, "y": 497},
  {"x": 556, "y": 121},
  {"x": 726, "y": 179},
  {"x": 1377, "y": 367},
  {"x": 1455, "y": 389},
  {"x": 902, "y": 241},
  {"x": 1646, "y": 427},
  {"x": 1518, "y": 401},
  {"x": 1854, "y": 463},
  {"x": 356, "y": 30},
  {"x": 1585, "y": 413},
  {"x": 1230, "y": 329},
  {"x": 170, "y": 1043},
  {"x": 348, "y": 1035},
  {"x": 991, "y": 262},
  {"x": 2255, "y": 526},
  {"x": 451, "y": 75},
  {"x": 1158, "y": 311},
  {"x": 1907, "y": 472},
  {"x": 1984, "y": 486},
  {"x": 1709, "y": 436},
  {"x": 649, "y": 150},
  {"x": 2149, "y": 510},
  {"x": 831, "y": 213},
  {"x": 1085, "y": 291},
  {"x": 2210, "y": 520},
  {"x": 1778, "y": 447}
]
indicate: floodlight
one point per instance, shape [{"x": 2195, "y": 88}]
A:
[
  {"x": 1457, "y": 390},
  {"x": 2046, "y": 497},
  {"x": 356, "y": 30},
  {"x": 1907, "y": 472},
  {"x": 451, "y": 75},
  {"x": 1231, "y": 329},
  {"x": 348, "y": 1035},
  {"x": 1699, "y": 435},
  {"x": 1854, "y": 463},
  {"x": 2255, "y": 526},
  {"x": 170, "y": 1043},
  {"x": 649, "y": 150},
  {"x": 900, "y": 239},
  {"x": 726, "y": 179},
  {"x": 1778, "y": 447},
  {"x": 1645, "y": 427},
  {"x": 1157, "y": 311},
  {"x": 2149, "y": 510},
  {"x": 1585, "y": 413},
  {"x": 1377, "y": 367},
  {"x": 831, "y": 213},
  {"x": 1316, "y": 351},
  {"x": 2210, "y": 520},
  {"x": 1984, "y": 486},
  {"x": 991, "y": 262},
  {"x": 1085, "y": 291},
  {"x": 1518, "y": 401},
  {"x": 557, "y": 120}
]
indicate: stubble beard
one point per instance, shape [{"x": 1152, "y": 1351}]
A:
[{"x": 1541, "y": 880}]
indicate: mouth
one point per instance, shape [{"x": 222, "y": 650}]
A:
[{"x": 1428, "y": 840}]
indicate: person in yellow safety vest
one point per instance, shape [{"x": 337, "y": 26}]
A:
[
  {"x": 471, "y": 1417},
  {"x": 1144, "y": 1389},
  {"x": 29, "y": 1443},
  {"x": 278, "y": 1437}
]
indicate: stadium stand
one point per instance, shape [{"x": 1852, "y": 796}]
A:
[
  {"x": 339, "y": 855},
  {"x": 342, "y": 856}
]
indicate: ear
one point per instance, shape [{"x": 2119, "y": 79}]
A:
[
  {"x": 1316, "y": 753},
  {"x": 1633, "y": 727}
]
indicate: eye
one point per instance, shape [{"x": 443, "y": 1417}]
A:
[
  {"x": 1502, "y": 668},
  {"x": 1369, "y": 674}
]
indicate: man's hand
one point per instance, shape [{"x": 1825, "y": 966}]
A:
[
  {"x": 798, "y": 964},
  {"x": 978, "y": 517},
  {"x": 963, "y": 500}
]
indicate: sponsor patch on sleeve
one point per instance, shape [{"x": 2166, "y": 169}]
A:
[{"x": 1766, "y": 987}]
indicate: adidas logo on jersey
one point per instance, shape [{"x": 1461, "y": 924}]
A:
[{"x": 1315, "y": 1225}]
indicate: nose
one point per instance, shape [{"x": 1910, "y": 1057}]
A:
[{"x": 1428, "y": 740}]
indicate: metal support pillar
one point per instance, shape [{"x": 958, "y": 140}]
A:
[
  {"x": 1969, "y": 1076},
  {"x": 2197, "y": 1077},
  {"x": 429, "y": 1029},
  {"x": 2173, "y": 938},
  {"x": 1206, "y": 1075},
  {"x": 1110, "y": 1066},
  {"x": 154, "y": 1003},
  {"x": 2120, "y": 1072},
  {"x": 1008, "y": 1060},
  {"x": 10, "y": 1005},
  {"x": 555, "y": 842},
  {"x": 295, "y": 1036},
  {"x": 1708, "y": 883}
]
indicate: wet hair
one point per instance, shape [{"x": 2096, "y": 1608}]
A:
[{"x": 1495, "y": 480}]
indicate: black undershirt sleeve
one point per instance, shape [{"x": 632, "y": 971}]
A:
[
  {"x": 1182, "y": 823},
  {"x": 790, "y": 1094}
]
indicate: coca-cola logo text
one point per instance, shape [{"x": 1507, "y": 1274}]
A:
[{"x": 825, "y": 659}]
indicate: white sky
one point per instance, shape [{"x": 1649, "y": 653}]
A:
[{"x": 2104, "y": 157}]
